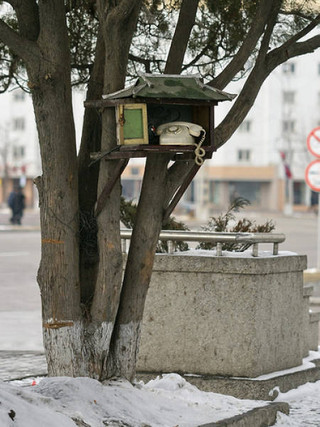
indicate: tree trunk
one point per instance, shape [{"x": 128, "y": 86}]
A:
[
  {"x": 88, "y": 180},
  {"x": 125, "y": 341},
  {"x": 181, "y": 36},
  {"x": 119, "y": 23},
  {"x": 58, "y": 276}
]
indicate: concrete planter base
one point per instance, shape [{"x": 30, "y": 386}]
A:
[{"x": 230, "y": 316}]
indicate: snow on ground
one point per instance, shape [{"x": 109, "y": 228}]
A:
[
  {"x": 307, "y": 363},
  {"x": 245, "y": 254},
  {"x": 164, "y": 402},
  {"x": 304, "y": 404}
]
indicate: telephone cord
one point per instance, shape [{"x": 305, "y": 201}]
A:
[{"x": 199, "y": 151}]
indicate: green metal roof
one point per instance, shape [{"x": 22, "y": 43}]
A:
[{"x": 171, "y": 86}]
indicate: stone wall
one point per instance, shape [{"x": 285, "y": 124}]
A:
[{"x": 230, "y": 316}]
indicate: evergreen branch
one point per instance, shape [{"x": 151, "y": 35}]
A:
[{"x": 265, "y": 9}]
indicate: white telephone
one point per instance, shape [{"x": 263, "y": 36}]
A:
[
  {"x": 183, "y": 133},
  {"x": 178, "y": 133}
]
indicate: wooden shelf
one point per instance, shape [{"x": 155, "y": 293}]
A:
[{"x": 179, "y": 152}]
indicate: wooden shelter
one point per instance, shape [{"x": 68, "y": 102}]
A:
[{"x": 172, "y": 114}]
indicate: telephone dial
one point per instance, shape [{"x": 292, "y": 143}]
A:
[{"x": 183, "y": 133}]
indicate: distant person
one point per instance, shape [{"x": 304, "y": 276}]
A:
[{"x": 17, "y": 204}]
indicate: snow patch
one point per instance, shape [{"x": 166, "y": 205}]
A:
[
  {"x": 228, "y": 254},
  {"x": 163, "y": 402}
]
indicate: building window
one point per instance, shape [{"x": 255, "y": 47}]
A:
[
  {"x": 190, "y": 194},
  {"x": 288, "y": 125},
  {"x": 247, "y": 189},
  {"x": 299, "y": 192},
  {"x": 244, "y": 155},
  {"x": 131, "y": 188},
  {"x": 18, "y": 152},
  {"x": 19, "y": 95},
  {"x": 288, "y": 97},
  {"x": 18, "y": 123},
  {"x": 245, "y": 126},
  {"x": 289, "y": 68}
]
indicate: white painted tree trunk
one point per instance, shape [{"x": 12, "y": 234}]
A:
[
  {"x": 122, "y": 359},
  {"x": 77, "y": 349}
]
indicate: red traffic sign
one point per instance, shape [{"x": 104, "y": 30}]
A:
[
  {"x": 313, "y": 142},
  {"x": 312, "y": 175}
]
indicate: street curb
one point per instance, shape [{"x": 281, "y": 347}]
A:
[
  {"x": 16, "y": 228},
  {"x": 249, "y": 388},
  {"x": 258, "y": 417}
]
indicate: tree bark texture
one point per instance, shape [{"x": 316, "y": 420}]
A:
[
  {"x": 125, "y": 340},
  {"x": 88, "y": 179},
  {"x": 58, "y": 276},
  {"x": 181, "y": 36}
]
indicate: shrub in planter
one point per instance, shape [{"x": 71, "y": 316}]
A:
[{"x": 222, "y": 224}]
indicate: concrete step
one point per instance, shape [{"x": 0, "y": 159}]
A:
[
  {"x": 266, "y": 387},
  {"x": 258, "y": 417}
]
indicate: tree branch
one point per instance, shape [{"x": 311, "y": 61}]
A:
[
  {"x": 116, "y": 12},
  {"x": 265, "y": 8},
  {"x": 298, "y": 13},
  {"x": 13, "y": 3},
  {"x": 252, "y": 85},
  {"x": 22, "y": 47},
  {"x": 27, "y": 12},
  {"x": 264, "y": 66},
  {"x": 306, "y": 30},
  {"x": 242, "y": 105},
  {"x": 196, "y": 58},
  {"x": 143, "y": 61},
  {"x": 282, "y": 54},
  {"x": 265, "y": 42},
  {"x": 181, "y": 36},
  {"x": 126, "y": 7},
  {"x": 176, "y": 175}
]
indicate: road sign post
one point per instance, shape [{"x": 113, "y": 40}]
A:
[
  {"x": 312, "y": 175},
  {"x": 313, "y": 142}
]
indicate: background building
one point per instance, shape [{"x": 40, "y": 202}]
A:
[
  {"x": 264, "y": 161},
  {"x": 20, "y": 160},
  {"x": 19, "y": 152}
]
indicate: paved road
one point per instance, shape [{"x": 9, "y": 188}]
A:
[{"x": 20, "y": 306}]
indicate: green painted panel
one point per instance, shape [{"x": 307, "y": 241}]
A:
[{"x": 133, "y": 125}]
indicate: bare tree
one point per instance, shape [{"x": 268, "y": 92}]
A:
[{"x": 92, "y": 312}]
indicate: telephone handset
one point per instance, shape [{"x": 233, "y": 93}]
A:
[{"x": 183, "y": 133}]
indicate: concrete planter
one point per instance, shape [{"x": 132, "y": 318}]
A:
[{"x": 229, "y": 316}]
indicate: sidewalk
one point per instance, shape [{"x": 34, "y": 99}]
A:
[
  {"x": 30, "y": 220},
  {"x": 22, "y": 364}
]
